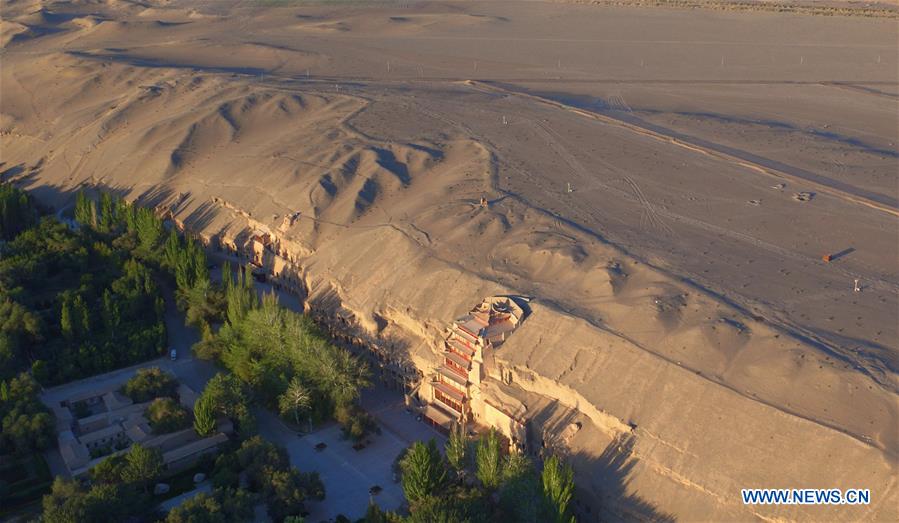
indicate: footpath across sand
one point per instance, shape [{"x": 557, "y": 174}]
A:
[{"x": 681, "y": 294}]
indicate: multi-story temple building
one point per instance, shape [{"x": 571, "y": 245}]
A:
[{"x": 456, "y": 393}]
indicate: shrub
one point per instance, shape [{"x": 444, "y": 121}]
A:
[
  {"x": 99, "y": 452},
  {"x": 204, "y": 416},
  {"x": 25, "y": 423},
  {"x": 166, "y": 415},
  {"x": 80, "y": 410},
  {"x": 268, "y": 473},
  {"x": 356, "y": 423},
  {"x": 150, "y": 383},
  {"x": 223, "y": 505}
]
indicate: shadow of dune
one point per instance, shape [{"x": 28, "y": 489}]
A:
[
  {"x": 389, "y": 161},
  {"x": 865, "y": 89},
  {"x": 783, "y": 126},
  {"x": 124, "y": 58}
]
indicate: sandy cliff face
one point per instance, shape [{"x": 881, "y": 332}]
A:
[{"x": 684, "y": 395}]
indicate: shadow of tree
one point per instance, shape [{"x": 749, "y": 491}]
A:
[
  {"x": 606, "y": 485},
  {"x": 387, "y": 352},
  {"x": 602, "y": 480},
  {"x": 327, "y": 302},
  {"x": 202, "y": 216},
  {"x": 10, "y": 173}
]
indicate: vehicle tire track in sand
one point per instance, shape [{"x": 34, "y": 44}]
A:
[
  {"x": 820, "y": 183},
  {"x": 783, "y": 326},
  {"x": 554, "y": 141},
  {"x": 652, "y": 216}
]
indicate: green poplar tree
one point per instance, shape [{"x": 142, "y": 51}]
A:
[
  {"x": 424, "y": 472},
  {"x": 172, "y": 248},
  {"x": 204, "y": 415},
  {"x": 65, "y": 319},
  {"x": 296, "y": 399},
  {"x": 107, "y": 212},
  {"x": 148, "y": 227},
  {"x": 558, "y": 488},
  {"x": 489, "y": 460},
  {"x": 111, "y": 314},
  {"x": 81, "y": 315},
  {"x": 82, "y": 208},
  {"x": 241, "y": 298},
  {"x": 226, "y": 276},
  {"x": 456, "y": 448},
  {"x": 92, "y": 218}
]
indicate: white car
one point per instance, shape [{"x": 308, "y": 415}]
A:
[{"x": 174, "y": 354}]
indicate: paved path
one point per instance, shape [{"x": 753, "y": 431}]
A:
[
  {"x": 389, "y": 408},
  {"x": 347, "y": 474}
]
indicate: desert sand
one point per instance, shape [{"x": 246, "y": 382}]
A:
[{"x": 681, "y": 306}]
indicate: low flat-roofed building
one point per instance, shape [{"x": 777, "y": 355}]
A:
[
  {"x": 439, "y": 418},
  {"x": 172, "y": 440},
  {"x": 92, "y": 423},
  {"x": 138, "y": 431},
  {"x": 105, "y": 436},
  {"x": 186, "y": 455},
  {"x": 64, "y": 418},
  {"x": 91, "y": 396},
  {"x": 117, "y": 423},
  {"x": 74, "y": 453},
  {"x": 114, "y": 400}
]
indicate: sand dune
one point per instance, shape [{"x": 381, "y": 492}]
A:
[{"x": 681, "y": 308}]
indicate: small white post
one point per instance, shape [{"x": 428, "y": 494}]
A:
[
  {"x": 569, "y": 187},
  {"x": 856, "y": 287}
]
